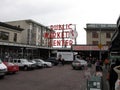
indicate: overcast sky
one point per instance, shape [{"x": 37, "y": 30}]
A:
[{"x": 52, "y": 12}]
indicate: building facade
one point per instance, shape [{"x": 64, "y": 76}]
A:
[
  {"x": 100, "y": 33},
  {"x": 9, "y": 33},
  {"x": 33, "y": 33},
  {"x": 23, "y": 39}
]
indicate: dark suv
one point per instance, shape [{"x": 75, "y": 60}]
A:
[{"x": 53, "y": 60}]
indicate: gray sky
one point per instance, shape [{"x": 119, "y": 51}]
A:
[{"x": 52, "y": 12}]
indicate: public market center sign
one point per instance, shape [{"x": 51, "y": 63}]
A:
[{"x": 61, "y": 35}]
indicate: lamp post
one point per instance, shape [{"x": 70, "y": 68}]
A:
[
  {"x": 100, "y": 45},
  {"x": 75, "y": 37}
]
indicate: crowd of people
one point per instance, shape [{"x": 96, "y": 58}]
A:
[
  {"x": 113, "y": 69},
  {"x": 114, "y": 75}
]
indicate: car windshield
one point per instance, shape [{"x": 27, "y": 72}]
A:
[
  {"x": 42, "y": 61},
  {"x": 76, "y": 61},
  {"x": 0, "y": 61},
  {"x": 37, "y": 60},
  {"x": 24, "y": 60}
]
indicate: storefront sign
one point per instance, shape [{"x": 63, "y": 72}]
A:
[
  {"x": 61, "y": 35},
  {"x": 85, "y": 48}
]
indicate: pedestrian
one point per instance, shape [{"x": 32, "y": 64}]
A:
[
  {"x": 117, "y": 70},
  {"x": 87, "y": 73},
  {"x": 97, "y": 65},
  {"x": 101, "y": 65},
  {"x": 61, "y": 60},
  {"x": 112, "y": 75},
  {"x": 106, "y": 62}
]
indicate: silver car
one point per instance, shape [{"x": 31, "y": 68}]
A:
[
  {"x": 79, "y": 64},
  {"x": 44, "y": 63}
]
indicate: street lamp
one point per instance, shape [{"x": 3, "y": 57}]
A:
[{"x": 100, "y": 45}]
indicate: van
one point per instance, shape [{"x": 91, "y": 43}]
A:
[{"x": 3, "y": 69}]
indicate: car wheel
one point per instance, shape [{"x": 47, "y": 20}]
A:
[
  {"x": 2, "y": 76},
  {"x": 45, "y": 65},
  {"x": 13, "y": 72},
  {"x": 53, "y": 64},
  {"x": 74, "y": 68},
  {"x": 25, "y": 68}
]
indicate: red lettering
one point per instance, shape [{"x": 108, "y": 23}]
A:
[
  {"x": 46, "y": 35},
  {"x": 51, "y": 27},
  {"x": 70, "y": 42},
  {"x": 61, "y": 27},
  {"x": 58, "y": 42},
  {"x": 58, "y": 34},
  {"x": 52, "y": 35},
  {"x": 69, "y": 26},
  {"x": 62, "y": 35}
]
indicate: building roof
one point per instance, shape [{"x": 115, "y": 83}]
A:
[
  {"x": 31, "y": 21},
  {"x": 118, "y": 22},
  {"x": 115, "y": 41},
  {"x": 10, "y": 26},
  {"x": 101, "y": 26}
]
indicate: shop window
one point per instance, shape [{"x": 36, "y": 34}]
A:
[
  {"x": 95, "y": 42},
  {"x": 108, "y": 35},
  {"x": 4, "y": 35},
  {"x": 94, "y": 35},
  {"x": 108, "y": 43},
  {"x": 15, "y": 37}
]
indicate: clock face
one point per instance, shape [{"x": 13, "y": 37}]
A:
[{"x": 73, "y": 34}]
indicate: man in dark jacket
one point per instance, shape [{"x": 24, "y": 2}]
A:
[{"x": 113, "y": 76}]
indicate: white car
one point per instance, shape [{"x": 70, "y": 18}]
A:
[
  {"x": 23, "y": 63},
  {"x": 44, "y": 63},
  {"x": 3, "y": 69},
  {"x": 79, "y": 64},
  {"x": 37, "y": 63}
]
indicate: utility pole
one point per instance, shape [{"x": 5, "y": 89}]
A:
[
  {"x": 100, "y": 45},
  {"x": 76, "y": 37}
]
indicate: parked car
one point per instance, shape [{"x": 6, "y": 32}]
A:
[
  {"x": 3, "y": 69},
  {"x": 53, "y": 60},
  {"x": 37, "y": 63},
  {"x": 23, "y": 64},
  {"x": 44, "y": 63},
  {"x": 11, "y": 68},
  {"x": 79, "y": 64}
]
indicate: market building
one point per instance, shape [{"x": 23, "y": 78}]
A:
[
  {"x": 98, "y": 41},
  {"x": 30, "y": 39},
  {"x": 23, "y": 39}
]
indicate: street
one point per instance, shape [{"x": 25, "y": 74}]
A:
[{"x": 55, "y": 78}]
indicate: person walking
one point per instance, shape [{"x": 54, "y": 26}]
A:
[
  {"x": 106, "y": 62},
  {"x": 117, "y": 70},
  {"x": 61, "y": 60},
  {"x": 97, "y": 65},
  {"x": 112, "y": 75}
]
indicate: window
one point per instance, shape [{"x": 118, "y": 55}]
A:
[
  {"x": 15, "y": 37},
  {"x": 4, "y": 35},
  {"x": 94, "y": 35},
  {"x": 108, "y": 43},
  {"x": 95, "y": 42},
  {"x": 108, "y": 35},
  {"x": 19, "y": 61},
  {"x": 15, "y": 61}
]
